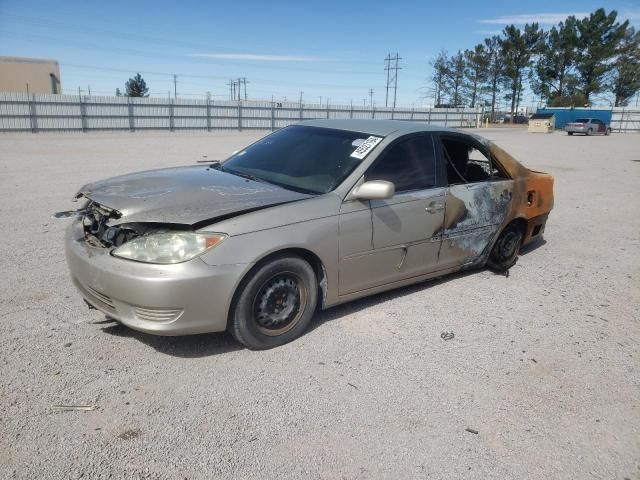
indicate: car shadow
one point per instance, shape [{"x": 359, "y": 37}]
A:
[
  {"x": 354, "y": 306},
  {"x": 209, "y": 344},
  {"x": 186, "y": 346},
  {"x": 533, "y": 245}
]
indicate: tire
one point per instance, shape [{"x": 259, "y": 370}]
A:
[
  {"x": 607, "y": 131},
  {"x": 589, "y": 132},
  {"x": 504, "y": 254},
  {"x": 274, "y": 304},
  {"x": 569, "y": 133}
]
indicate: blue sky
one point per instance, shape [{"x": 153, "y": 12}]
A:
[{"x": 325, "y": 49}]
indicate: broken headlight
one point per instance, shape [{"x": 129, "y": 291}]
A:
[{"x": 167, "y": 248}]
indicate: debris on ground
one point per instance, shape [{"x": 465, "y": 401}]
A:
[
  {"x": 447, "y": 335},
  {"x": 352, "y": 385},
  {"x": 83, "y": 407},
  {"x": 471, "y": 430}
]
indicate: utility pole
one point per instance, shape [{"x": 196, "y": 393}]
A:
[
  {"x": 371, "y": 96},
  {"x": 242, "y": 81},
  {"x": 392, "y": 65},
  {"x": 175, "y": 86},
  {"x": 232, "y": 89},
  {"x": 301, "y": 97},
  {"x": 320, "y": 99},
  {"x": 89, "y": 89}
]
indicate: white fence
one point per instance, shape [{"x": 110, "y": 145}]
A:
[
  {"x": 21, "y": 112},
  {"x": 625, "y": 119}
]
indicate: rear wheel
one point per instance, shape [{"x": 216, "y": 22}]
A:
[
  {"x": 275, "y": 303},
  {"x": 569, "y": 133},
  {"x": 607, "y": 131},
  {"x": 505, "y": 251}
]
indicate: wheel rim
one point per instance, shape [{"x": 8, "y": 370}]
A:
[
  {"x": 509, "y": 245},
  {"x": 279, "y": 304}
]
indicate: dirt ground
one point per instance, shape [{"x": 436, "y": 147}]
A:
[{"x": 544, "y": 365}]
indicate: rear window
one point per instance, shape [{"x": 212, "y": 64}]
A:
[{"x": 581, "y": 120}]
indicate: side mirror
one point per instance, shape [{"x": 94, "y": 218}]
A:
[{"x": 375, "y": 190}]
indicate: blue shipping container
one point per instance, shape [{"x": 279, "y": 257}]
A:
[{"x": 566, "y": 115}]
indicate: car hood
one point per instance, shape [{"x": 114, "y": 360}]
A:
[{"x": 195, "y": 196}]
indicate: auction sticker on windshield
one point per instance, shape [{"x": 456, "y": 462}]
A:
[{"x": 366, "y": 147}]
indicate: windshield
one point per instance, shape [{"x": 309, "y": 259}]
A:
[
  {"x": 581, "y": 120},
  {"x": 305, "y": 159}
]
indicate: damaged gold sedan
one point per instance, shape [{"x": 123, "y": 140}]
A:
[{"x": 311, "y": 216}]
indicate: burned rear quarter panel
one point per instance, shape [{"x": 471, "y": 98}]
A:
[{"x": 525, "y": 183}]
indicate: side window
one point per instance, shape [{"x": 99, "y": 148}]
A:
[
  {"x": 466, "y": 163},
  {"x": 409, "y": 165}
]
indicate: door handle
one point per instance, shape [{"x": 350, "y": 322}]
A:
[{"x": 434, "y": 207}]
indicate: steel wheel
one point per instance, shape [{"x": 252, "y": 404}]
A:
[
  {"x": 505, "y": 251},
  {"x": 274, "y": 303},
  {"x": 279, "y": 304}
]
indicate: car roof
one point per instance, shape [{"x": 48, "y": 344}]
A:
[{"x": 377, "y": 127}]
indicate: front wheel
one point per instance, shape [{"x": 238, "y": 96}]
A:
[
  {"x": 504, "y": 254},
  {"x": 607, "y": 131},
  {"x": 569, "y": 133},
  {"x": 274, "y": 304},
  {"x": 589, "y": 132}
]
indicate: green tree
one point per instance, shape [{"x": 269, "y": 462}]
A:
[
  {"x": 476, "y": 70},
  {"x": 626, "y": 69},
  {"x": 518, "y": 47},
  {"x": 495, "y": 70},
  {"x": 118, "y": 92},
  {"x": 439, "y": 77},
  {"x": 556, "y": 61},
  {"x": 137, "y": 87},
  {"x": 598, "y": 38},
  {"x": 456, "y": 77}
]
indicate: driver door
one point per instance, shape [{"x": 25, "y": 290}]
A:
[{"x": 405, "y": 231}]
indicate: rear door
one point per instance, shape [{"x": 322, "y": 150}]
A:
[
  {"x": 478, "y": 198},
  {"x": 406, "y": 229}
]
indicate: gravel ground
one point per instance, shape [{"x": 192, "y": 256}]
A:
[{"x": 544, "y": 364}]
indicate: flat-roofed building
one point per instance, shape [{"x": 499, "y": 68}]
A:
[{"x": 19, "y": 74}]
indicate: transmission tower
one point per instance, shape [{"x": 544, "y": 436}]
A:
[{"x": 392, "y": 67}]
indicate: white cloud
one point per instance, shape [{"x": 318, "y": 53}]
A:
[
  {"x": 541, "y": 18},
  {"x": 256, "y": 57},
  {"x": 488, "y": 32}
]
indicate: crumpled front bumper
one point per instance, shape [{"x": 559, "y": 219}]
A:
[{"x": 181, "y": 299}]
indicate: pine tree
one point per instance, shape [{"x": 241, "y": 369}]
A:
[
  {"x": 518, "y": 48},
  {"x": 599, "y": 36},
  {"x": 476, "y": 70},
  {"x": 626, "y": 71},
  {"x": 136, "y": 87}
]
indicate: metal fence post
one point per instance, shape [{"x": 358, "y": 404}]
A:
[
  {"x": 132, "y": 126},
  {"x": 412, "y": 108},
  {"x": 273, "y": 116},
  {"x": 429, "y": 117},
  {"x": 83, "y": 112},
  {"x": 373, "y": 112},
  {"x": 240, "y": 115},
  {"x": 301, "y": 109},
  {"x": 446, "y": 114},
  {"x": 327, "y": 109},
  {"x": 393, "y": 110},
  {"x": 351, "y": 110},
  {"x": 171, "y": 119},
  {"x": 33, "y": 117},
  {"x": 208, "y": 113}
]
